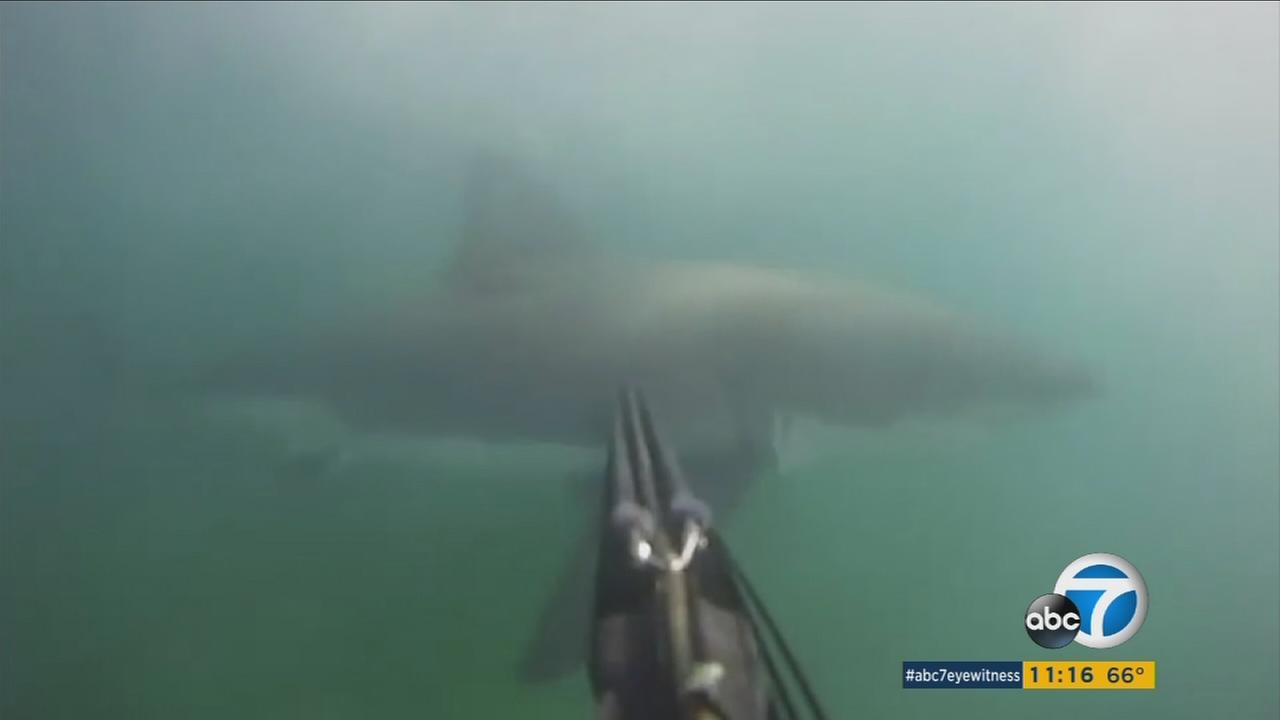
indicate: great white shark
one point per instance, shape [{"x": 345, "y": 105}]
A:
[{"x": 533, "y": 330}]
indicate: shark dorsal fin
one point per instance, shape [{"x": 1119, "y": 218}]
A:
[{"x": 513, "y": 222}]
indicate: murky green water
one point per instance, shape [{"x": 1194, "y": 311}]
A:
[{"x": 1103, "y": 179}]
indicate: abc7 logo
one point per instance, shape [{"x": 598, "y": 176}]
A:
[{"x": 1100, "y": 601}]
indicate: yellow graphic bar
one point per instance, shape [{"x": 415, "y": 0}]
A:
[{"x": 1089, "y": 675}]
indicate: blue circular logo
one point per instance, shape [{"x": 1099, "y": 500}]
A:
[{"x": 1111, "y": 596}]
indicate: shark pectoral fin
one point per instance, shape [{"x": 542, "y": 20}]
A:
[
  {"x": 558, "y": 645},
  {"x": 755, "y": 430}
]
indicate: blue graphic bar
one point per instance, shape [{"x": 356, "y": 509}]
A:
[{"x": 938, "y": 674}]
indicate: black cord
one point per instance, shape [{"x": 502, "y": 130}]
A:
[
  {"x": 775, "y": 677},
  {"x": 793, "y": 665}
]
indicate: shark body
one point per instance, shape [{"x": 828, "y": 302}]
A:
[
  {"x": 533, "y": 332},
  {"x": 531, "y": 335}
]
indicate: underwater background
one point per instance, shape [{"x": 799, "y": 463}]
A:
[{"x": 176, "y": 178}]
